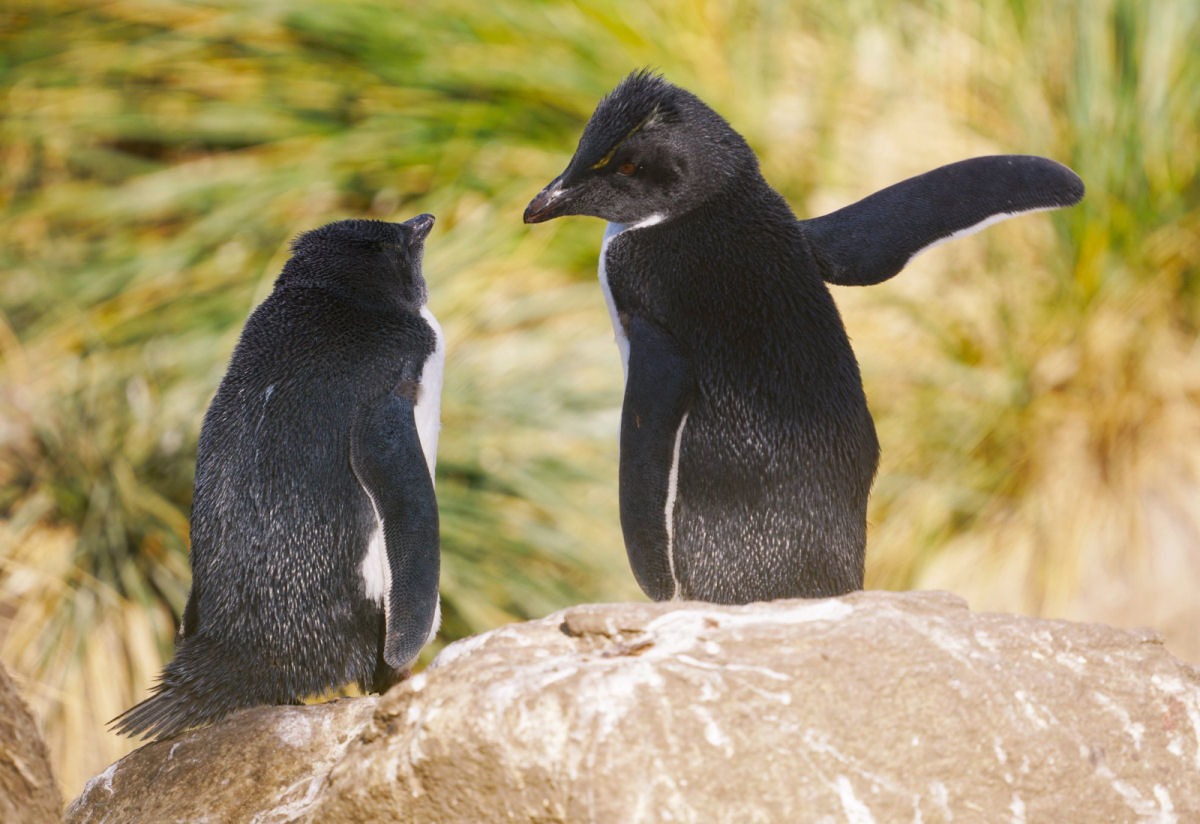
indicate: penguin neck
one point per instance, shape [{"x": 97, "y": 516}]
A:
[
  {"x": 376, "y": 283},
  {"x": 749, "y": 197},
  {"x": 748, "y": 207},
  {"x": 375, "y": 298},
  {"x": 689, "y": 257}
]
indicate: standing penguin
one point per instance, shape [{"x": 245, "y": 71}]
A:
[
  {"x": 747, "y": 452},
  {"x": 314, "y": 523}
]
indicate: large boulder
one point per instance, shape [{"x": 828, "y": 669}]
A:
[
  {"x": 28, "y": 791},
  {"x": 266, "y": 765},
  {"x": 871, "y": 707}
]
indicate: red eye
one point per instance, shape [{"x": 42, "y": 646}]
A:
[{"x": 627, "y": 168}]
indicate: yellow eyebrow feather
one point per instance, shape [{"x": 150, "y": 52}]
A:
[{"x": 602, "y": 162}]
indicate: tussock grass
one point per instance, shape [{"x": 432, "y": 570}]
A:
[{"x": 1036, "y": 387}]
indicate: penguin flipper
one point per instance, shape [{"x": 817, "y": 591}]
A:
[
  {"x": 658, "y": 394},
  {"x": 386, "y": 455},
  {"x": 872, "y": 240}
]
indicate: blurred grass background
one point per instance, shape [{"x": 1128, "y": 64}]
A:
[{"x": 1036, "y": 387}]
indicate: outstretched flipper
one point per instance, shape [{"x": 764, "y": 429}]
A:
[
  {"x": 386, "y": 455},
  {"x": 658, "y": 393},
  {"x": 872, "y": 240}
]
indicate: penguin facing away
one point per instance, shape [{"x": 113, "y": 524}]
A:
[
  {"x": 314, "y": 524},
  {"x": 747, "y": 451}
]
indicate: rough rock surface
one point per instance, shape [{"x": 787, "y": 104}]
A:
[
  {"x": 28, "y": 792},
  {"x": 265, "y": 765},
  {"x": 872, "y": 707}
]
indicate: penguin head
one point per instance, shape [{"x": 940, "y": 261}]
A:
[
  {"x": 370, "y": 258},
  {"x": 650, "y": 152}
]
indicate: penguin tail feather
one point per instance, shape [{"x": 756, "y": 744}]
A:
[
  {"x": 160, "y": 716},
  {"x": 181, "y": 700}
]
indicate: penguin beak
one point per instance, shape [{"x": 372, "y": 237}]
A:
[
  {"x": 549, "y": 202},
  {"x": 421, "y": 224}
]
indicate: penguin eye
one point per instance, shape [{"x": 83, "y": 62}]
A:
[{"x": 627, "y": 168}]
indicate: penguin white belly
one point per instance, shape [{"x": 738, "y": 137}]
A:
[
  {"x": 428, "y": 410},
  {"x": 610, "y": 232},
  {"x": 428, "y": 416}
]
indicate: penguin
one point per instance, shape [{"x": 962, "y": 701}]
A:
[
  {"x": 747, "y": 451},
  {"x": 314, "y": 526}
]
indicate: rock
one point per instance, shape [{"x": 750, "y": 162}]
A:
[
  {"x": 872, "y": 707},
  {"x": 28, "y": 791},
  {"x": 264, "y": 764}
]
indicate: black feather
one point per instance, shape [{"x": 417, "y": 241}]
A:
[
  {"x": 747, "y": 449},
  {"x": 280, "y": 524}
]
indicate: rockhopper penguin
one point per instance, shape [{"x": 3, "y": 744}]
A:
[
  {"x": 314, "y": 526},
  {"x": 746, "y": 448}
]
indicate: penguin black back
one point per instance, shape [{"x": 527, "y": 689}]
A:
[
  {"x": 747, "y": 450},
  {"x": 309, "y": 466}
]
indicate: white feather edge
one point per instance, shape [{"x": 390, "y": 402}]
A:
[
  {"x": 991, "y": 220},
  {"x": 669, "y": 509}
]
